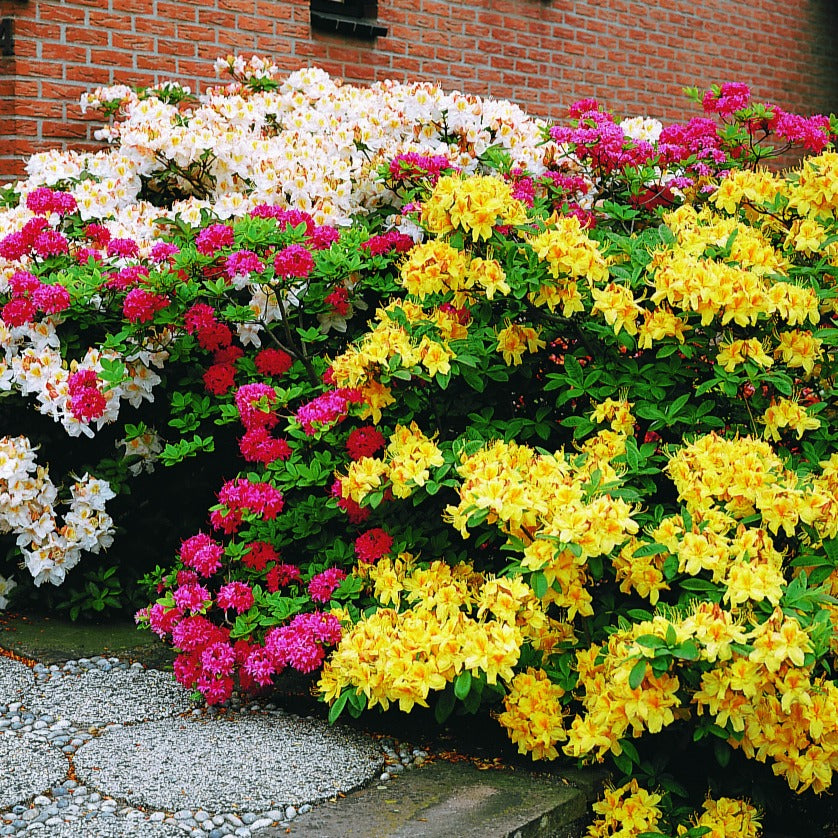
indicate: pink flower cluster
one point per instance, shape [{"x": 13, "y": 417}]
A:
[
  {"x": 140, "y": 305},
  {"x": 301, "y": 643},
  {"x": 412, "y": 166},
  {"x": 86, "y": 399},
  {"x": 37, "y": 238},
  {"x": 325, "y": 409},
  {"x": 318, "y": 237},
  {"x": 29, "y": 296},
  {"x": 211, "y": 239},
  {"x": 243, "y": 263},
  {"x": 600, "y": 141},
  {"x": 727, "y": 98},
  {"x": 123, "y": 248},
  {"x": 44, "y": 201},
  {"x": 242, "y": 495},
  {"x": 126, "y": 278},
  {"x": 293, "y": 262},
  {"x": 321, "y": 586},
  {"x": 202, "y": 553}
]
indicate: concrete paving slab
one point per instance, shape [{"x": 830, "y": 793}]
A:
[{"x": 444, "y": 799}]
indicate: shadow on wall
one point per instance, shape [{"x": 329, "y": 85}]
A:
[{"x": 823, "y": 52}]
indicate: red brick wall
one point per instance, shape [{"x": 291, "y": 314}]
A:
[{"x": 542, "y": 54}]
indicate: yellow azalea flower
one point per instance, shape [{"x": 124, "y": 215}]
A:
[
  {"x": 489, "y": 275},
  {"x": 726, "y": 818},
  {"x": 568, "y": 251},
  {"x": 625, "y": 811},
  {"x": 562, "y": 294},
  {"x": 434, "y": 267},
  {"x": 617, "y": 413},
  {"x": 617, "y": 305},
  {"x": 786, "y": 413},
  {"x": 515, "y": 340},
  {"x": 435, "y": 356},
  {"x": 799, "y": 349},
  {"x": 815, "y": 192},
  {"x": 794, "y": 303},
  {"x": 730, "y": 355},
  {"x": 658, "y": 324},
  {"x": 533, "y": 715},
  {"x": 364, "y": 477}
]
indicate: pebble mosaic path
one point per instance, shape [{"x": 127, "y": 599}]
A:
[{"x": 99, "y": 747}]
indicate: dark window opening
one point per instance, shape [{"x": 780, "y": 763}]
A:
[{"x": 350, "y": 17}]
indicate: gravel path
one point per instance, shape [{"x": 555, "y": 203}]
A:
[{"x": 99, "y": 748}]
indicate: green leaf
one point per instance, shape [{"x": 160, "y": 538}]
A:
[
  {"x": 337, "y": 708},
  {"x": 637, "y": 674},
  {"x": 538, "y": 582},
  {"x": 462, "y": 684}
]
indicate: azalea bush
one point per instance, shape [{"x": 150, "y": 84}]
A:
[{"x": 502, "y": 417}]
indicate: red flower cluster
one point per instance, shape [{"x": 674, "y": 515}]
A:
[
  {"x": 392, "y": 240},
  {"x": 339, "y": 300},
  {"x": 281, "y": 575},
  {"x": 273, "y": 362},
  {"x": 373, "y": 544},
  {"x": 259, "y": 554},
  {"x": 364, "y": 442}
]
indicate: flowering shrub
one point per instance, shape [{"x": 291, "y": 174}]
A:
[{"x": 574, "y": 466}]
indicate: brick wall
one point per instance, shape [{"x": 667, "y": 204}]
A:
[{"x": 543, "y": 54}]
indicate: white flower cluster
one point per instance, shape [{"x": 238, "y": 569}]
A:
[
  {"x": 312, "y": 143},
  {"x": 642, "y": 128},
  {"x": 30, "y": 362},
  {"x": 28, "y": 498}
]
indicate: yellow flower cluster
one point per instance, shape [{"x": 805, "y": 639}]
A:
[
  {"x": 814, "y": 193},
  {"x": 394, "y": 656},
  {"x": 475, "y": 204},
  {"x": 532, "y": 715},
  {"x": 435, "y": 267},
  {"x": 360, "y": 365},
  {"x": 747, "y": 186},
  {"x": 727, "y": 817},
  {"x": 787, "y": 413},
  {"x": 779, "y": 711},
  {"x": 731, "y": 355},
  {"x": 799, "y": 349},
  {"x": 744, "y": 476},
  {"x": 514, "y": 340},
  {"x": 617, "y": 413},
  {"x": 409, "y": 457},
  {"x": 617, "y": 305},
  {"x": 540, "y": 500},
  {"x": 743, "y": 285},
  {"x": 626, "y": 812},
  {"x": 568, "y": 250},
  {"x": 613, "y": 708},
  {"x": 660, "y": 323}
]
